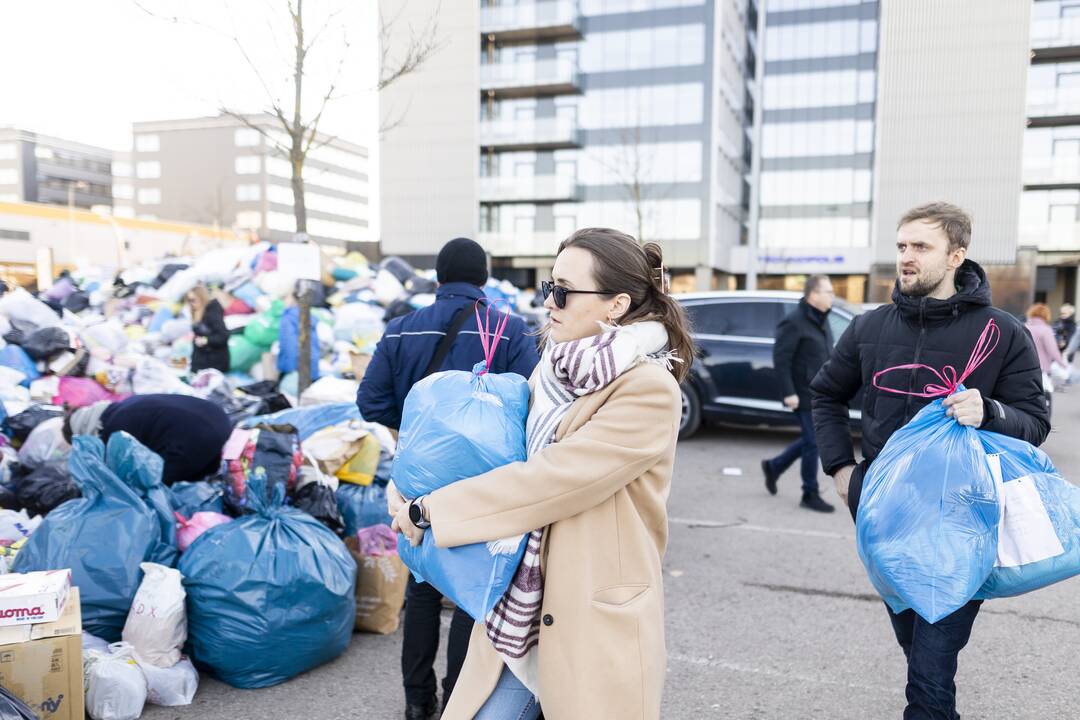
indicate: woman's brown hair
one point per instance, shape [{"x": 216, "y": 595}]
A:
[
  {"x": 202, "y": 295},
  {"x": 623, "y": 265}
]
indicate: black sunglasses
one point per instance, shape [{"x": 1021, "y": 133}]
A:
[{"x": 549, "y": 288}]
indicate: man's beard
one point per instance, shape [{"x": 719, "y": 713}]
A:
[{"x": 924, "y": 285}]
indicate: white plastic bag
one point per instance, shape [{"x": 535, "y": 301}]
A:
[
  {"x": 153, "y": 376},
  {"x": 387, "y": 288},
  {"x": 156, "y": 626},
  {"x": 16, "y": 526},
  {"x": 115, "y": 686},
  {"x": 21, "y": 305},
  {"x": 329, "y": 390},
  {"x": 44, "y": 389},
  {"x": 108, "y": 336},
  {"x": 170, "y": 687},
  {"x": 45, "y": 442}
]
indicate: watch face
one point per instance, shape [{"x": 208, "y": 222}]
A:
[{"x": 414, "y": 514}]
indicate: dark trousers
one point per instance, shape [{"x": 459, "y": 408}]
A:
[
  {"x": 931, "y": 652},
  {"x": 805, "y": 448},
  {"x": 423, "y": 608}
]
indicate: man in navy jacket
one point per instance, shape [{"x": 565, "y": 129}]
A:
[{"x": 400, "y": 361}]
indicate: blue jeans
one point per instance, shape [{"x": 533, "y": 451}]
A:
[
  {"x": 509, "y": 701},
  {"x": 931, "y": 651},
  {"x": 805, "y": 448}
]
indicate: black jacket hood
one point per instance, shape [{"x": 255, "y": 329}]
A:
[{"x": 972, "y": 291}]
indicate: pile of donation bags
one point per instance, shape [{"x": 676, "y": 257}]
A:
[{"x": 949, "y": 513}]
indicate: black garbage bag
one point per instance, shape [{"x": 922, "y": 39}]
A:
[
  {"x": 44, "y": 488},
  {"x": 167, "y": 272},
  {"x": 271, "y": 401},
  {"x": 8, "y": 501},
  {"x": 236, "y": 406},
  {"x": 12, "y": 708},
  {"x": 399, "y": 268},
  {"x": 77, "y": 302},
  {"x": 396, "y": 309},
  {"x": 47, "y": 343},
  {"x": 20, "y": 330},
  {"x": 22, "y": 424},
  {"x": 421, "y": 286},
  {"x": 320, "y": 502}
]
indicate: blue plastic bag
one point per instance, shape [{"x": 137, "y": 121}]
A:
[
  {"x": 1022, "y": 462},
  {"x": 15, "y": 357},
  {"x": 309, "y": 420},
  {"x": 189, "y": 498},
  {"x": 162, "y": 316},
  {"x": 927, "y": 521},
  {"x": 457, "y": 425},
  {"x": 102, "y": 537},
  {"x": 269, "y": 595},
  {"x": 362, "y": 506},
  {"x": 141, "y": 468}
]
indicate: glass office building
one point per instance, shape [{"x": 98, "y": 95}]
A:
[
  {"x": 817, "y": 139},
  {"x": 618, "y": 113}
]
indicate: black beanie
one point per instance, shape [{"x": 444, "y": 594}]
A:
[{"x": 462, "y": 260}]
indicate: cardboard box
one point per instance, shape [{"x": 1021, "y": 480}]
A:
[
  {"x": 46, "y": 672},
  {"x": 36, "y": 597}
]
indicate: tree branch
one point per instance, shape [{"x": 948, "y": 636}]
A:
[
  {"x": 419, "y": 50},
  {"x": 258, "y": 128}
]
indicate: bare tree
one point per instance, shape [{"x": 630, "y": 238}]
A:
[
  {"x": 633, "y": 166},
  {"x": 299, "y": 124}
]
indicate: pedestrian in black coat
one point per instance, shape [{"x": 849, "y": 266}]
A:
[
  {"x": 941, "y": 307},
  {"x": 803, "y": 343},
  {"x": 211, "y": 350}
]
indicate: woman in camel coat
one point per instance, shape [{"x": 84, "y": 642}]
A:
[{"x": 596, "y": 483}]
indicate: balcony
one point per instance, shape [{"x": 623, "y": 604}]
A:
[
  {"x": 1055, "y": 39},
  {"x": 531, "y": 188},
  {"x": 532, "y": 22},
  {"x": 1049, "y": 172},
  {"x": 558, "y": 76},
  {"x": 533, "y": 134},
  {"x": 1053, "y": 106},
  {"x": 524, "y": 244}
]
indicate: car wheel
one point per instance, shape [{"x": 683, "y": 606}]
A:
[{"x": 690, "y": 422}]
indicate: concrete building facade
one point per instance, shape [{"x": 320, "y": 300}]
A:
[
  {"x": 219, "y": 171},
  {"x": 1050, "y": 204},
  {"x": 45, "y": 169}
]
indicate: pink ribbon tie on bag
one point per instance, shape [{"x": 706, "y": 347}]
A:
[
  {"x": 489, "y": 338},
  {"x": 948, "y": 381}
]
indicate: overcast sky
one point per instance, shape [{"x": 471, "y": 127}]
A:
[{"x": 86, "y": 69}]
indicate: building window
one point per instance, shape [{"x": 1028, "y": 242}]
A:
[
  {"x": 246, "y": 137},
  {"x": 43, "y": 153},
  {"x": 14, "y": 234},
  {"x": 149, "y": 196},
  {"x": 121, "y": 169},
  {"x": 123, "y": 192},
  {"x": 9, "y": 197},
  {"x": 148, "y": 169},
  {"x": 281, "y": 221},
  {"x": 7, "y": 151},
  {"x": 248, "y": 165},
  {"x": 147, "y": 143},
  {"x": 248, "y": 193},
  {"x": 249, "y": 219},
  {"x": 9, "y": 176}
]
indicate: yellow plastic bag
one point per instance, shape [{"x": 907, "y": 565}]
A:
[{"x": 360, "y": 470}]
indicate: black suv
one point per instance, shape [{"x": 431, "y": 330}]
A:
[{"x": 732, "y": 380}]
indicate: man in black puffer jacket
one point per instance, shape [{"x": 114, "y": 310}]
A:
[{"x": 941, "y": 304}]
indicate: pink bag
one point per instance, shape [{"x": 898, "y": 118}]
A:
[
  {"x": 377, "y": 540},
  {"x": 77, "y": 392},
  {"x": 188, "y": 530}
]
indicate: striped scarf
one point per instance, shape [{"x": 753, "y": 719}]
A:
[{"x": 568, "y": 371}]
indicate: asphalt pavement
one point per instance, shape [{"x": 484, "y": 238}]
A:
[{"x": 769, "y": 615}]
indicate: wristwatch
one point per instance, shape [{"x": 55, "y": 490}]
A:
[{"x": 416, "y": 514}]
